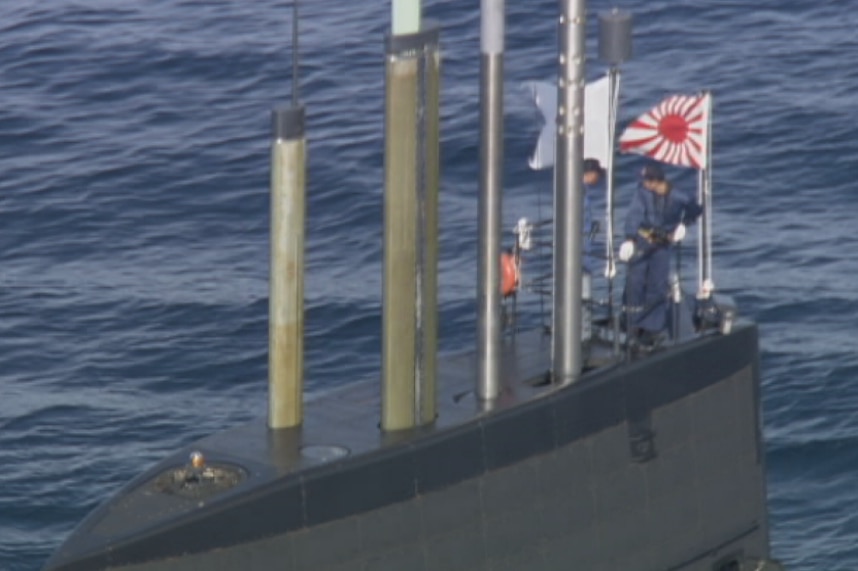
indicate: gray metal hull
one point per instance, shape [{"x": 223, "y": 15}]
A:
[{"x": 650, "y": 465}]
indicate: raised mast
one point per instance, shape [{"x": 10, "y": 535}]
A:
[
  {"x": 490, "y": 200},
  {"x": 567, "y": 353},
  {"x": 411, "y": 182},
  {"x": 286, "y": 282}
]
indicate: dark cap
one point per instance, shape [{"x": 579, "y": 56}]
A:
[
  {"x": 652, "y": 172},
  {"x": 593, "y": 165}
]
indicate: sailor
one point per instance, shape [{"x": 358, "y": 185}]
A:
[
  {"x": 656, "y": 220},
  {"x": 594, "y": 174}
]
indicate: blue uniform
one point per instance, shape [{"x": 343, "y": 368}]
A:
[
  {"x": 589, "y": 261},
  {"x": 650, "y": 222}
]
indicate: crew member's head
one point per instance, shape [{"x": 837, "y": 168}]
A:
[
  {"x": 652, "y": 179},
  {"x": 593, "y": 171}
]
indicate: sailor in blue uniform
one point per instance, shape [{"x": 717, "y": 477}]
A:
[
  {"x": 657, "y": 219},
  {"x": 594, "y": 174}
]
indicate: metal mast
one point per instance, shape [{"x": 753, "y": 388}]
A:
[
  {"x": 568, "y": 194},
  {"x": 491, "y": 192}
]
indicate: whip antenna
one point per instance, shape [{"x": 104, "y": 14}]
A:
[{"x": 295, "y": 86}]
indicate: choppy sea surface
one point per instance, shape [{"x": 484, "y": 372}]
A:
[{"x": 134, "y": 143}]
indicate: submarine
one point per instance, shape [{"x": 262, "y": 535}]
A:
[{"x": 570, "y": 446}]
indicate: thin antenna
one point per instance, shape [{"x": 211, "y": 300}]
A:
[{"x": 295, "y": 86}]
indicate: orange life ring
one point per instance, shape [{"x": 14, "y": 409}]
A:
[{"x": 509, "y": 274}]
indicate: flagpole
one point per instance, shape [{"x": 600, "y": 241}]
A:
[
  {"x": 613, "y": 95},
  {"x": 615, "y": 47},
  {"x": 611, "y": 264},
  {"x": 704, "y": 197},
  {"x": 701, "y": 233},
  {"x": 708, "y": 204}
]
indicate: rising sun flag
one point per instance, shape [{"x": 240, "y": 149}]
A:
[{"x": 676, "y": 131}]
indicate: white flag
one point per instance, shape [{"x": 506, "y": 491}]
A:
[{"x": 596, "y": 109}]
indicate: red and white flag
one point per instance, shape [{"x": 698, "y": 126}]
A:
[{"x": 676, "y": 131}]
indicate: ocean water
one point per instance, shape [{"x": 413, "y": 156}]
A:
[{"x": 134, "y": 224}]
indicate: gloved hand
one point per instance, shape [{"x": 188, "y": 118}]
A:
[
  {"x": 627, "y": 250},
  {"x": 610, "y": 270},
  {"x": 678, "y": 233}
]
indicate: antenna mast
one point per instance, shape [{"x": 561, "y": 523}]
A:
[{"x": 286, "y": 280}]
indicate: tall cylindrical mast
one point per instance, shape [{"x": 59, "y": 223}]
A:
[
  {"x": 286, "y": 295},
  {"x": 286, "y": 281},
  {"x": 411, "y": 181},
  {"x": 568, "y": 194},
  {"x": 490, "y": 201}
]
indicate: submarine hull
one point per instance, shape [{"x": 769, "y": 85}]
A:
[{"x": 655, "y": 463}]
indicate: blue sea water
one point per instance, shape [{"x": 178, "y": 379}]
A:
[{"x": 134, "y": 219}]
